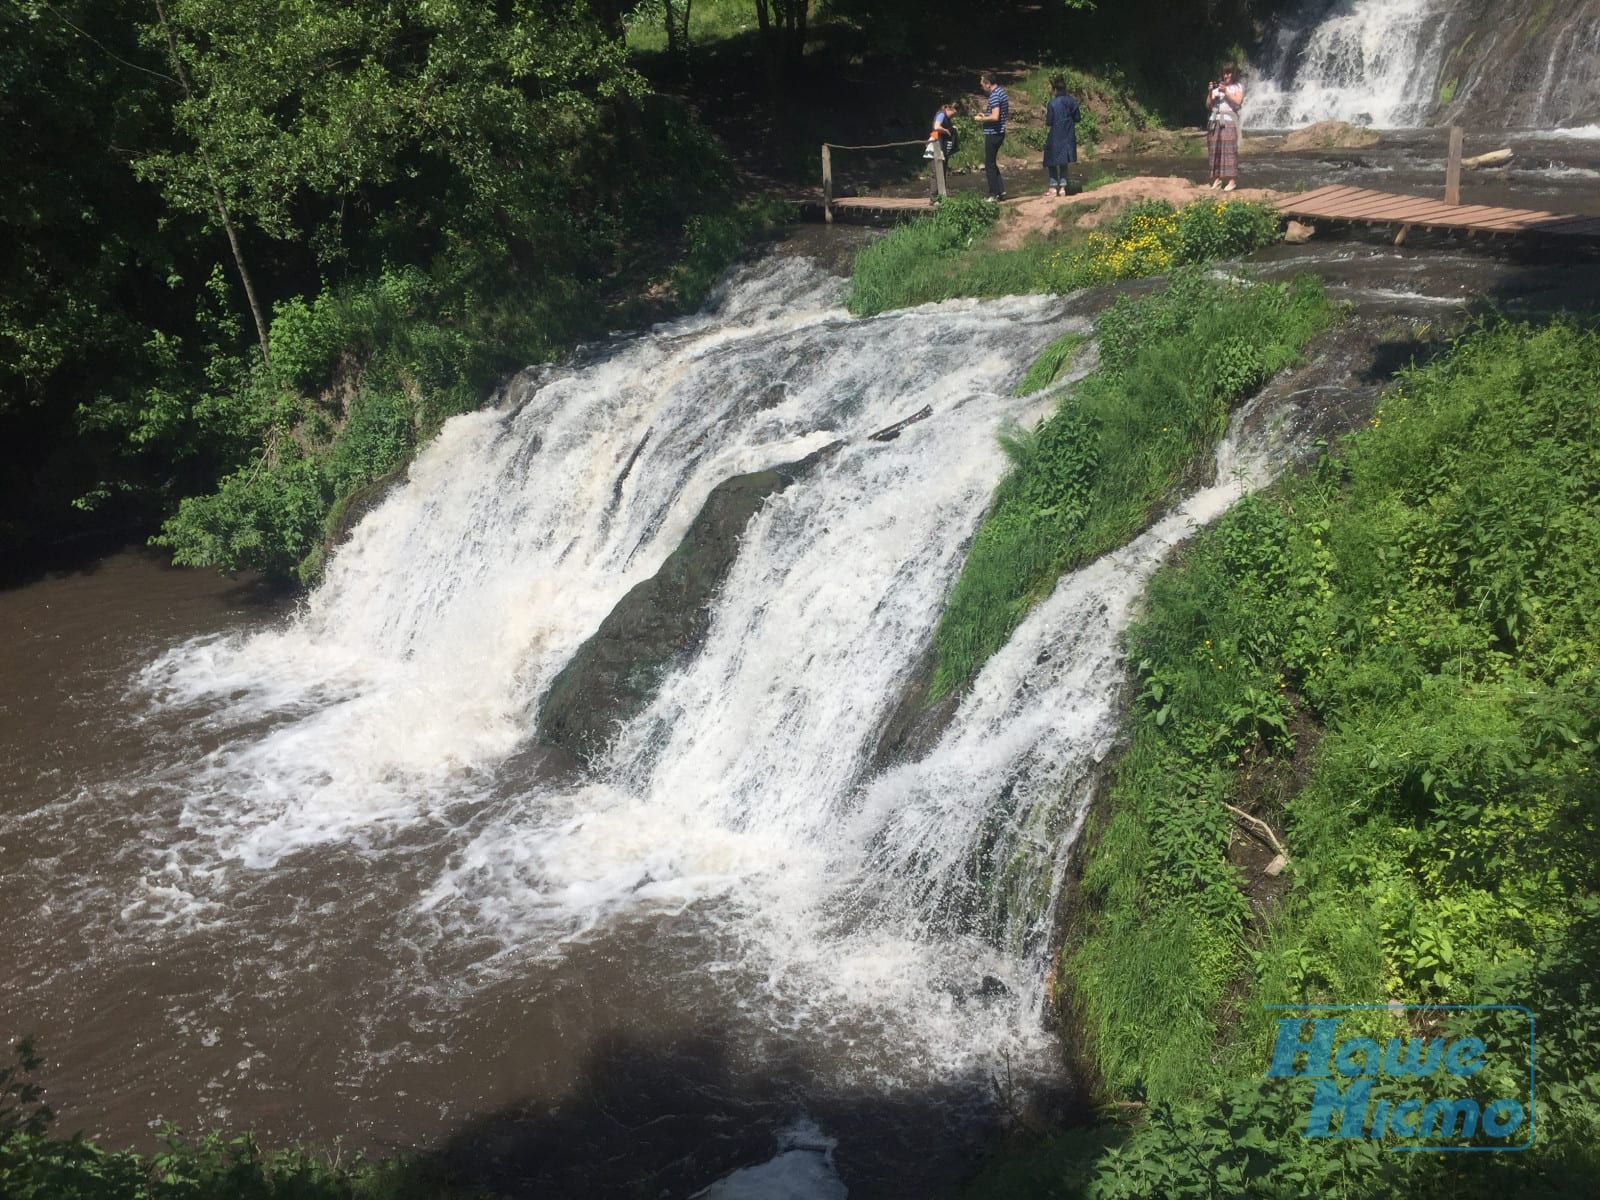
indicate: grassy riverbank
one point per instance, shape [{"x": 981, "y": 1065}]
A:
[
  {"x": 949, "y": 255},
  {"x": 1392, "y": 661},
  {"x": 1089, "y": 477}
]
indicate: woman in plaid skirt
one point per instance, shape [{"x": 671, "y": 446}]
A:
[{"x": 1224, "y": 99}]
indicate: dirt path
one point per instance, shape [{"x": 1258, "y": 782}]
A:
[{"x": 1040, "y": 215}]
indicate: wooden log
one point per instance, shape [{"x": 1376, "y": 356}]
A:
[
  {"x": 889, "y": 432},
  {"x": 1495, "y": 158},
  {"x": 1452, "y": 170},
  {"x": 827, "y": 183}
]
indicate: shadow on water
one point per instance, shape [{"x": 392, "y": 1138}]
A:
[
  {"x": 655, "y": 1120},
  {"x": 89, "y": 554}
]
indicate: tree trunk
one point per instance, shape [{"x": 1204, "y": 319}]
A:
[
  {"x": 216, "y": 195},
  {"x": 782, "y": 24}
]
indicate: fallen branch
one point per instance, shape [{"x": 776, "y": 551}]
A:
[{"x": 1265, "y": 831}]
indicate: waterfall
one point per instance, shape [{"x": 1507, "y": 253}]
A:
[
  {"x": 1402, "y": 63},
  {"x": 388, "y": 717},
  {"x": 1370, "y": 62}
]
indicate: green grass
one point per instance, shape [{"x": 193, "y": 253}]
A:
[
  {"x": 1393, "y": 659},
  {"x": 1051, "y": 364},
  {"x": 1089, "y": 477},
  {"x": 913, "y": 264},
  {"x": 1102, "y": 178},
  {"x": 709, "y": 21},
  {"x": 946, "y": 255}
]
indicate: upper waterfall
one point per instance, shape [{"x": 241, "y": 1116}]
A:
[
  {"x": 1370, "y": 62},
  {"x": 1403, "y": 63}
]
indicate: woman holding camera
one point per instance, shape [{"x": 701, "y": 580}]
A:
[{"x": 1224, "y": 100}]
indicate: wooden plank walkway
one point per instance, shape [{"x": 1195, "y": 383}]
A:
[
  {"x": 881, "y": 203},
  {"x": 866, "y": 208},
  {"x": 1361, "y": 206},
  {"x": 1352, "y": 204}
]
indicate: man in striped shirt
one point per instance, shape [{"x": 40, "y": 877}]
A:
[{"x": 994, "y": 132}]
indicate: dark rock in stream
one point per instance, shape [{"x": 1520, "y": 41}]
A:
[
  {"x": 914, "y": 727},
  {"x": 660, "y": 622}
]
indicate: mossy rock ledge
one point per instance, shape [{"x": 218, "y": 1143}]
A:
[{"x": 661, "y": 622}]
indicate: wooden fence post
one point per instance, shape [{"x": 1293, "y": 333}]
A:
[
  {"x": 1452, "y": 170},
  {"x": 827, "y": 184},
  {"x": 938, "y": 169}
]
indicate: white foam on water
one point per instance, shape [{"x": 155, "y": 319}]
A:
[
  {"x": 1576, "y": 133},
  {"x": 1556, "y": 171},
  {"x": 387, "y": 704},
  {"x": 1369, "y": 62},
  {"x": 413, "y": 669}
]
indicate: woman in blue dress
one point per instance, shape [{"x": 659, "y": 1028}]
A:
[{"x": 1061, "y": 147}]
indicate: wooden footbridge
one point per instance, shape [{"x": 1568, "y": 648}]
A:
[
  {"x": 1358, "y": 206},
  {"x": 1339, "y": 205}
]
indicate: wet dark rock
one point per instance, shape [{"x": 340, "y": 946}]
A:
[
  {"x": 988, "y": 988},
  {"x": 356, "y": 507},
  {"x": 658, "y": 624},
  {"x": 914, "y": 727},
  {"x": 627, "y": 468}
]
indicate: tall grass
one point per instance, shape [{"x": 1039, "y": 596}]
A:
[
  {"x": 1421, "y": 612},
  {"x": 1051, "y": 364},
  {"x": 1089, "y": 477}
]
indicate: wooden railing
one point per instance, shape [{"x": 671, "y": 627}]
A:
[{"x": 827, "y": 168}]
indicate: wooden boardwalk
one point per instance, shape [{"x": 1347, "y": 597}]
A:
[
  {"x": 882, "y": 204},
  {"x": 865, "y": 208},
  {"x": 1363, "y": 207},
  {"x": 1358, "y": 206}
]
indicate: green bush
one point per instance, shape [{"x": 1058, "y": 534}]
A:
[{"x": 305, "y": 341}]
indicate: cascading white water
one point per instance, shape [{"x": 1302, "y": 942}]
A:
[
  {"x": 1404, "y": 63},
  {"x": 1370, "y": 62},
  {"x": 385, "y": 716}
]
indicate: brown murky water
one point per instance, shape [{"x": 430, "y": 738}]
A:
[{"x": 300, "y": 1004}]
